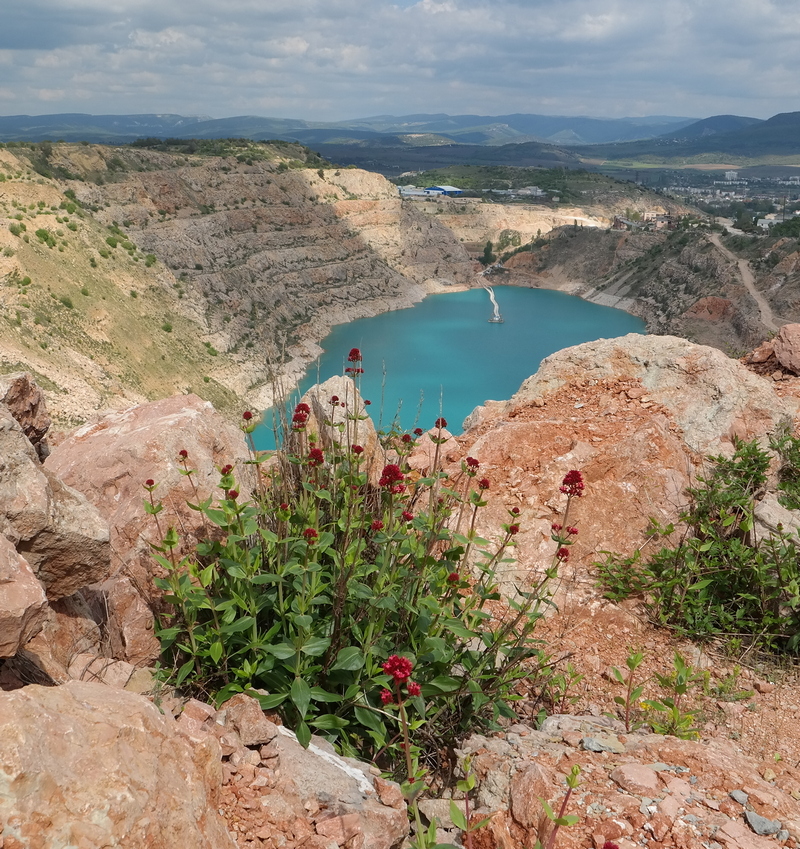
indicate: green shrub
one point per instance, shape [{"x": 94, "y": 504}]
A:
[
  {"x": 111, "y": 241},
  {"x": 720, "y": 580},
  {"x": 46, "y": 237},
  {"x": 166, "y": 327},
  {"x": 67, "y": 302}
]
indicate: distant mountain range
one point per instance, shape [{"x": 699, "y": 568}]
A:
[
  {"x": 406, "y": 129},
  {"x": 723, "y": 134},
  {"x": 389, "y": 143}
]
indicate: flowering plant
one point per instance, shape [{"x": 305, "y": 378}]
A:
[{"x": 322, "y": 593}]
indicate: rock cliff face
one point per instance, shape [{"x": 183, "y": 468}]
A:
[
  {"x": 681, "y": 283},
  {"x": 167, "y": 273}
]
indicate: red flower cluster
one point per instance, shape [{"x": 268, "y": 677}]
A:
[
  {"x": 406, "y": 437},
  {"x": 515, "y": 511},
  {"x": 226, "y": 470},
  {"x": 284, "y": 505},
  {"x": 483, "y": 483},
  {"x": 311, "y": 535},
  {"x": 377, "y": 525},
  {"x": 183, "y": 453},
  {"x": 392, "y": 478},
  {"x": 513, "y": 529},
  {"x": 354, "y": 356},
  {"x": 357, "y": 449},
  {"x": 563, "y": 553},
  {"x": 150, "y": 482},
  {"x": 334, "y": 399},
  {"x": 233, "y": 494},
  {"x": 418, "y": 431},
  {"x": 399, "y": 668},
  {"x": 300, "y": 416},
  {"x": 454, "y": 577},
  {"x": 353, "y": 370},
  {"x": 572, "y": 484},
  {"x": 408, "y": 517},
  {"x": 413, "y": 689},
  {"x": 315, "y": 457},
  {"x": 247, "y": 415},
  {"x": 386, "y": 697},
  {"x": 440, "y": 423},
  {"x": 472, "y": 463}
]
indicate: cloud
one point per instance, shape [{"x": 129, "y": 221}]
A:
[{"x": 334, "y": 59}]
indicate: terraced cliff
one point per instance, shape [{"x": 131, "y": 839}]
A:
[{"x": 152, "y": 272}]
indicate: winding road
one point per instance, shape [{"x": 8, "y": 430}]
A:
[{"x": 749, "y": 281}]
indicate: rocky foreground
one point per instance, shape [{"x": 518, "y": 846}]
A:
[{"x": 94, "y": 754}]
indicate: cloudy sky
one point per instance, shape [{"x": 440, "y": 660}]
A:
[{"x": 329, "y": 60}]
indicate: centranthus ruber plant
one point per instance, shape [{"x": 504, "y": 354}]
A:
[{"x": 318, "y": 592}]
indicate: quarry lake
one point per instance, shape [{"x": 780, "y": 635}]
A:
[{"x": 444, "y": 357}]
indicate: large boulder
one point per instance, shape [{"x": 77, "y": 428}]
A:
[
  {"x": 711, "y": 397},
  {"x": 88, "y": 765},
  {"x": 23, "y": 605},
  {"x": 109, "y": 462},
  {"x": 63, "y": 537},
  {"x": 637, "y": 416},
  {"x": 25, "y": 400},
  {"x": 786, "y": 347}
]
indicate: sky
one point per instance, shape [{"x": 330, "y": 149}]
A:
[{"x": 329, "y": 60}]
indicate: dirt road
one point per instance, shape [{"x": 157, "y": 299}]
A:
[{"x": 748, "y": 279}]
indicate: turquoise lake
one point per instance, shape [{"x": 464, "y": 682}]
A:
[{"x": 444, "y": 357}]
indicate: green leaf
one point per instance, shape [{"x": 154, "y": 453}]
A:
[
  {"x": 457, "y": 628},
  {"x": 320, "y": 695},
  {"x": 265, "y": 578},
  {"x": 215, "y": 651},
  {"x": 329, "y": 722},
  {"x": 457, "y": 816},
  {"x": 441, "y": 684},
  {"x": 283, "y": 651},
  {"x": 349, "y": 659},
  {"x": 315, "y": 646},
  {"x": 300, "y": 694},
  {"x": 268, "y": 702},
  {"x": 303, "y": 733},
  {"x": 239, "y": 625},
  {"x": 370, "y": 719},
  {"x": 183, "y": 672}
]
